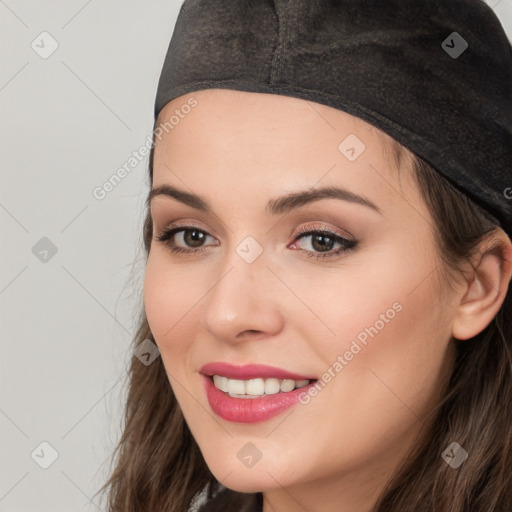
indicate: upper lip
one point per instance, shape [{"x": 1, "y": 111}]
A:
[{"x": 250, "y": 371}]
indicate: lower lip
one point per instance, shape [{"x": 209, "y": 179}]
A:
[{"x": 250, "y": 410}]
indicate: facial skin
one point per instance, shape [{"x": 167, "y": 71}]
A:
[{"x": 238, "y": 150}]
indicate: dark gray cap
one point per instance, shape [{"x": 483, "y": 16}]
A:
[{"x": 436, "y": 75}]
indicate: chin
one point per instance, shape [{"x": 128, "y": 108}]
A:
[
  {"x": 263, "y": 475},
  {"x": 246, "y": 481}
]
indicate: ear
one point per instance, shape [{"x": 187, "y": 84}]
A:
[{"x": 485, "y": 286}]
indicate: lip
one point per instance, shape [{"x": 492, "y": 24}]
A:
[
  {"x": 250, "y": 371},
  {"x": 250, "y": 410}
]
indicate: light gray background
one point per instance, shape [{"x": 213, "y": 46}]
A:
[{"x": 68, "y": 122}]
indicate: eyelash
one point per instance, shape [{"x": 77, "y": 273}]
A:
[{"x": 350, "y": 245}]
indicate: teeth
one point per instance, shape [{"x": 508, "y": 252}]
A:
[
  {"x": 236, "y": 387},
  {"x": 254, "y": 388},
  {"x": 221, "y": 383},
  {"x": 287, "y": 385},
  {"x": 272, "y": 386}
]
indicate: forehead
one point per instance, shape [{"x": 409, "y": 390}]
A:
[
  {"x": 262, "y": 116},
  {"x": 269, "y": 141}
]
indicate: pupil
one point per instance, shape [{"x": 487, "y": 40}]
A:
[
  {"x": 322, "y": 245},
  {"x": 196, "y": 237}
]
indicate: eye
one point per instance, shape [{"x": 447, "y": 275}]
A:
[
  {"x": 322, "y": 241},
  {"x": 190, "y": 235}
]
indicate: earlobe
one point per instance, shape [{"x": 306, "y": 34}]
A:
[{"x": 485, "y": 288}]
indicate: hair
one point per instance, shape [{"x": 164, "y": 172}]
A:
[{"x": 158, "y": 465}]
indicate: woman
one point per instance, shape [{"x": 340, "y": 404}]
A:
[{"x": 328, "y": 263}]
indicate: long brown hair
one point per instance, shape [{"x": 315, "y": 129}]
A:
[{"x": 159, "y": 467}]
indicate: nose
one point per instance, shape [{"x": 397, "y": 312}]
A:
[{"x": 244, "y": 302}]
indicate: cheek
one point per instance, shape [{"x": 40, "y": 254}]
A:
[
  {"x": 393, "y": 344},
  {"x": 385, "y": 298},
  {"x": 169, "y": 299},
  {"x": 392, "y": 335}
]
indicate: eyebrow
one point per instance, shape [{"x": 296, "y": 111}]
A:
[{"x": 274, "y": 206}]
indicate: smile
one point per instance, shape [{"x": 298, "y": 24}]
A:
[
  {"x": 254, "y": 388},
  {"x": 251, "y": 393}
]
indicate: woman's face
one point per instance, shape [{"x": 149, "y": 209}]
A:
[{"x": 363, "y": 318}]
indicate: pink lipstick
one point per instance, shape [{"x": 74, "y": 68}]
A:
[{"x": 252, "y": 393}]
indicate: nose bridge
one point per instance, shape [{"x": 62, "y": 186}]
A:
[{"x": 242, "y": 297}]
